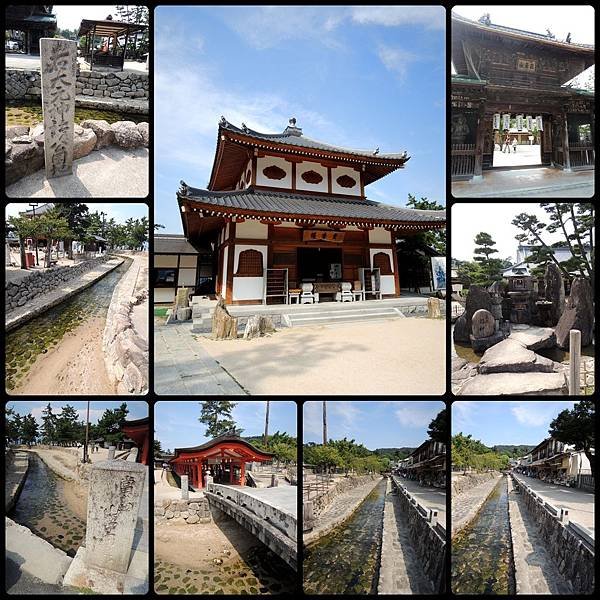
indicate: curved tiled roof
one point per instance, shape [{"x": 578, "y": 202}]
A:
[
  {"x": 219, "y": 440},
  {"x": 280, "y": 202},
  {"x": 293, "y": 136}
]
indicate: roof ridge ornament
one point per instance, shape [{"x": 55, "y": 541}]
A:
[
  {"x": 376, "y": 151},
  {"x": 223, "y": 121},
  {"x": 183, "y": 188},
  {"x": 291, "y": 129}
]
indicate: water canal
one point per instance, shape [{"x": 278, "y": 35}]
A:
[
  {"x": 346, "y": 561},
  {"x": 482, "y": 559},
  {"x": 46, "y": 332},
  {"x": 43, "y": 508}
]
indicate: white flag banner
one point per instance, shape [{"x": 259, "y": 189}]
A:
[
  {"x": 506, "y": 122},
  {"x": 529, "y": 120},
  {"x": 496, "y": 120},
  {"x": 540, "y": 123},
  {"x": 520, "y": 122}
]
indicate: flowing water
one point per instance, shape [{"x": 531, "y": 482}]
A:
[
  {"x": 37, "y": 336},
  {"x": 260, "y": 572},
  {"x": 42, "y": 508},
  {"x": 482, "y": 560},
  {"x": 346, "y": 560}
]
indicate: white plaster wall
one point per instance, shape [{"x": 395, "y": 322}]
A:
[
  {"x": 187, "y": 277},
  {"x": 165, "y": 260},
  {"x": 338, "y": 189},
  {"x": 252, "y": 229},
  {"x": 188, "y": 260},
  {"x": 303, "y": 167},
  {"x": 267, "y": 161},
  {"x": 224, "y": 271},
  {"x": 380, "y": 236},
  {"x": 248, "y": 288},
  {"x": 241, "y": 247},
  {"x": 162, "y": 295},
  {"x": 226, "y": 232}
]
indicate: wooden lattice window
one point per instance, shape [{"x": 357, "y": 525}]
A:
[
  {"x": 250, "y": 264},
  {"x": 381, "y": 261}
]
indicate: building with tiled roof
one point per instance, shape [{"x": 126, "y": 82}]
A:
[{"x": 282, "y": 210}]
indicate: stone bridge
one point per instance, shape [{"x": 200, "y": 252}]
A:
[{"x": 268, "y": 513}]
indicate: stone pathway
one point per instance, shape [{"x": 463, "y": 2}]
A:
[
  {"x": 15, "y": 477},
  {"x": 466, "y": 505},
  {"x": 579, "y": 502},
  {"x": 535, "y": 571},
  {"x": 399, "y": 570},
  {"x": 339, "y": 510},
  {"x": 182, "y": 366},
  {"x": 42, "y": 303},
  {"x": 428, "y": 496}
]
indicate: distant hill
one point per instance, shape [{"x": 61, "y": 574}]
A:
[
  {"x": 394, "y": 453},
  {"x": 513, "y": 451}
]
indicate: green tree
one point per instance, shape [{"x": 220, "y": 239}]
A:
[
  {"x": 109, "y": 424},
  {"x": 69, "y": 429},
  {"x": 25, "y": 228},
  {"x": 438, "y": 428},
  {"x": 52, "y": 227},
  {"x": 576, "y": 427},
  {"x": 216, "y": 415},
  {"x": 29, "y": 430},
  {"x": 491, "y": 268},
  {"x": 156, "y": 448},
  {"x": 77, "y": 217},
  {"x": 49, "y": 420},
  {"x": 14, "y": 423},
  {"x": 435, "y": 239}
]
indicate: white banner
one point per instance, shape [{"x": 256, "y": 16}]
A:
[
  {"x": 520, "y": 122},
  {"x": 506, "y": 122},
  {"x": 540, "y": 123},
  {"x": 529, "y": 120},
  {"x": 496, "y": 120}
]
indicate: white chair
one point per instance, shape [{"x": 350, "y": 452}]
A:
[
  {"x": 308, "y": 296},
  {"x": 294, "y": 297},
  {"x": 345, "y": 293},
  {"x": 358, "y": 293}
]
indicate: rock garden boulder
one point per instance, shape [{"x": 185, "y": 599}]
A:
[
  {"x": 509, "y": 356},
  {"x": 144, "y": 129},
  {"x": 554, "y": 292},
  {"x": 578, "y": 314},
  {"x": 476, "y": 299},
  {"x": 84, "y": 141},
  {"x": 105, "y": 136},
  {"x": 127, "y": 134}
]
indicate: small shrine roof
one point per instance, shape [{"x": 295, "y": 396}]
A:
[
  {"x": 281, "y": 203},
  {"x": 221, "y": 440},
  {"x": 172, "y": 243}
]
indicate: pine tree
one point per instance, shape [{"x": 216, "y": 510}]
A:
[
  {"x": 216, "y": 415},
  {"x": 491, "y": 268},
  {"x": 49, "y": 424}
]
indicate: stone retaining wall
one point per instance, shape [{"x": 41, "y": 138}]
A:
[
  {"x": 41, "y": 282},
  {"x": 26, "y": 84},
  {"x": 462, "y": 483},
  {"x": 324, "y": 500},
  {"x": 572, "y": 550},
  {"x": 428, "y": 538},
  {"x": 125, "y": 351},
  {"x": 191, "y": 511}
]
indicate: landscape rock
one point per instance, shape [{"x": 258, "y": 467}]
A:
[
  {"x": 127, "y": 134},
  {"x": 515, "y": 384},
  {"x": 554, "y": 292},
  {"x": 84, "y": 141},
  {"x": 144, "y": 129},
  {"x": 105, "y": 136},
  {"x": 509, "y": 356},
  {"x": 477, "y": 298},
  {"x": 482, "y": 324},
  {"x": 578, "y": 314}
]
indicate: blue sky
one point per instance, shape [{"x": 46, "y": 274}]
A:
[
  {"x": 361, "y": 77},
  {"x": 376, "y": 424},
  {"x": 137, "y": 408},
  {"x": 504, "y": 421},
  {"x": 176, "y": 424},
  {"x": 118, "y": 211}
]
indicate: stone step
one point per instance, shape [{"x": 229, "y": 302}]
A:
[
  {"x": 510, "y": 384},
  {"x": 323, "y": 317}
]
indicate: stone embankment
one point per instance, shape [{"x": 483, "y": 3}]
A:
[
  {"x": 26, "y": 85},
  {"x": 125, "y": 348},
  {"x": 173, "y": 511},
  {"x": 337, "y": 504},
  {"x": 468, "y": 493},
  {"x": 25, "y": 145},
  {"x": 63, "y": 462},
  {"x": 570, "y": 546},
  {"x": 16, "y": 467},
  {"x": 44, "y": 289}
]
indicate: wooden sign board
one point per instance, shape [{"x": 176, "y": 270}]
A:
[{"x": 322, "y": 235}]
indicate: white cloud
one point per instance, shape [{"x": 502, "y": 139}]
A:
[
  {"x": 536, "y": 414},
  {"x": 431, "y": 17},
  {"x": 396, "y": 60},
  {"x": 413, "y": 415}
]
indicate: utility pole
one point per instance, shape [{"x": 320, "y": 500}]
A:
[
  {"x": 324, "y": 422},
  {"x": 34, "y": 205},
  {"x": 266, "y": 438},
  {"x": 87, "y": 432}
]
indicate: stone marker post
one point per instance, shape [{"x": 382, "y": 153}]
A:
[
  {"x": 574, "y": 362},
  {"x": 111, "y": 452},
  {"x": 58, "y": 69},
  {"x": 114, "y": 498},
  {"x": 133, "y": 455},
  {"x": 185, "y": 490}
]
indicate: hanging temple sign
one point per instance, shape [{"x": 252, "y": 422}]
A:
[{"x": 59, "y": 70}]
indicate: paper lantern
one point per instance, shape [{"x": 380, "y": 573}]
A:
[
  {"x": 519, "y": 122},
  {"x": 529, "y": 120},
  {"x": 496, "y": 120},
  {"x": 506, "y": 122},
  {"x": 540, "y": 123}
]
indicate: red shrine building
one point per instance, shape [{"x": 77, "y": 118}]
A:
[
  {"x": 223, "y": 458},
  {"x": 139, "y": 431},
  {"x": 285, "y": 216}
]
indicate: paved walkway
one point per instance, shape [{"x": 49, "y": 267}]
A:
[
  {"x": 535, "y": 571},
  {"x": 579, "y": 502},
  {"x": 428, "y": 497},
  {"x": 42, "y": 303},
  {"x": 107, "y": 173},
  {"x": 339, "y": 510},
  {"x": 31, "y": 62},
  {"x": 524, "y": 156},
  {"x": 399, "y": 569},
  {"x": 15, "y": 477},
  {"x": 284, "y": 498},
  {"x": 522, "y": 182},
  {"x": 466, "y": 505},
  {"x": 182, "y": 366}
]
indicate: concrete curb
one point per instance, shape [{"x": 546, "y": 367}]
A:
[
  {"x": 15, "y": 487},
  {"x": 14, "y": 322},
  {"x": 535, "y": 190},
  {"x": 58, "y": 469}
]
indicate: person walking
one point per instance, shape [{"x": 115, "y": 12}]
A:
[{"x": 514, "y": 144}]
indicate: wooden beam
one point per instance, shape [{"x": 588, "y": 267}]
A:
[{"x": 294, "y": 176}]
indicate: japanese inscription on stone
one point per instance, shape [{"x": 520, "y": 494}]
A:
[{"x": 59, "y": 66}]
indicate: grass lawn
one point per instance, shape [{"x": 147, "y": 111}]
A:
[{"x": 160, "y": 311}]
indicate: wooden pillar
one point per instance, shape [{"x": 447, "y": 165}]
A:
[
  {"x": 567, "y": 156},
  {"x": 478, "y": 168},
  {"x": 231, "y": 473},
  {"x": 230, "y": 258},
  {"x": 395, "y": 264},
  {"x": 200, "y": 476},
  {"x": 243, "y": 477},
  {"x": 92, "y": 57}
]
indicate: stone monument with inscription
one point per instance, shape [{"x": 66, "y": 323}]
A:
[{"x": 58, "y": 60}]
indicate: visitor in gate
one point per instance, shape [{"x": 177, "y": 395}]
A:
[{"x": 514, "y": 144}]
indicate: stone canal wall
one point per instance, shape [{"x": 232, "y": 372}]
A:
[
  {"x": 427, "y": 535},
  {"x": 42, "y": 282},
  {"x": 26, "y": 84},
  {"x": 320, "y": 503},
  {"x": 461, "y": 483},
  {"x": 173, "y": 511},
  {"x": 571, "y": 546},
  {"x": 16, "y": 467},
  {"x": 125, "y": 351}
]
